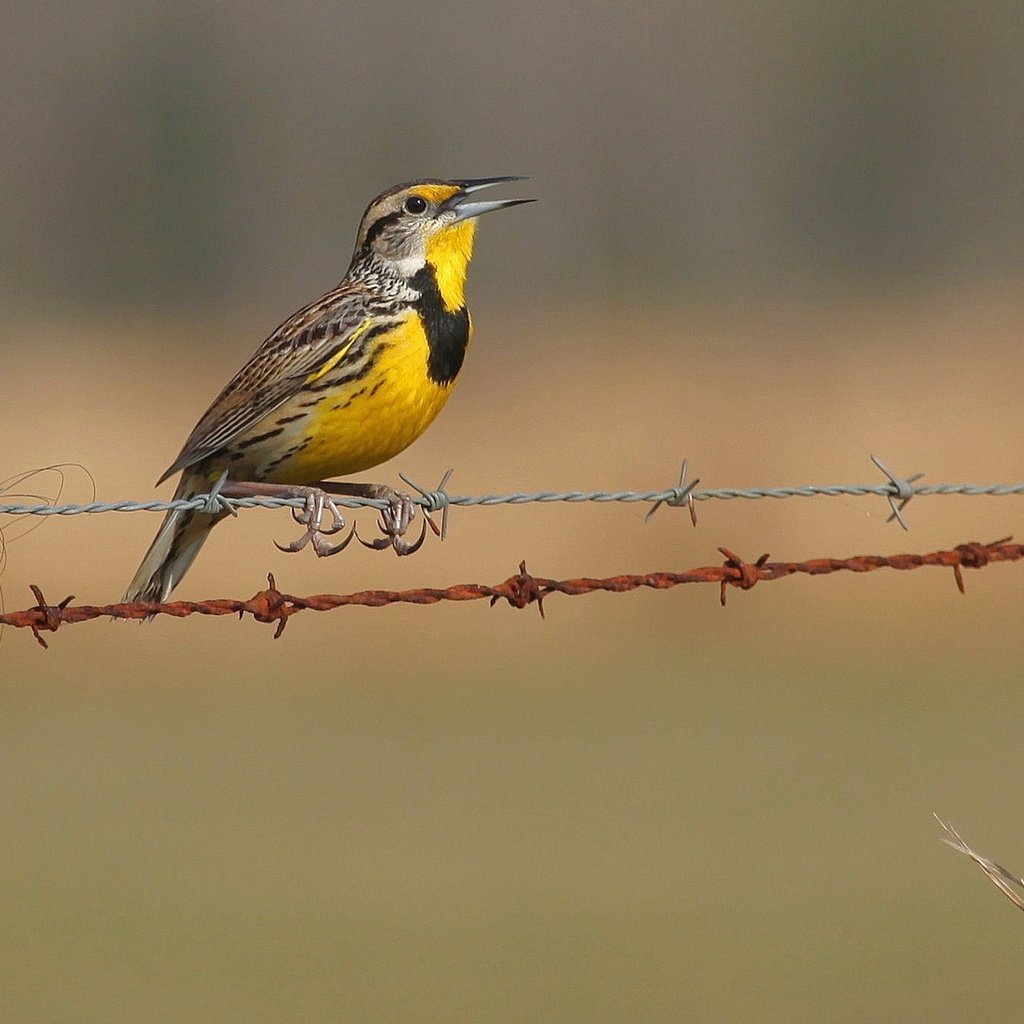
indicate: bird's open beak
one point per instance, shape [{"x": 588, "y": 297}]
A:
[{"x": 464, "y": 210}]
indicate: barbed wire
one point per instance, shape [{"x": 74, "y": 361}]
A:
[
  {"x": 523, "y": 589},
  {"x": 896, "y": 490}
]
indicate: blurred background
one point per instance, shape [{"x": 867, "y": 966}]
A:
[{"x": 771, "y": 237}]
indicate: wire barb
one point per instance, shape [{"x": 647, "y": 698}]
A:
[
  {"x": 749, "y": 573},
  {"x": 52, "y": 614},
  {"x": 680, "y": 494},
  {"x": 436, "y": 500},
  {"x": 215, "y": 504},
  {"x": 903, "y": 491}
]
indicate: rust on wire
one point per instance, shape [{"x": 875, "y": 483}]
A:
[{"x": 521, "y": 590}]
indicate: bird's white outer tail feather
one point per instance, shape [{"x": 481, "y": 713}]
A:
[{"x": 169, "y": 556}]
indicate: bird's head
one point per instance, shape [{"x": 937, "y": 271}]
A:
[{"x": 428, "y": 222}]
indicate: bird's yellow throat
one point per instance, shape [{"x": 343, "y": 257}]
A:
[{"x": 449, "y": 253}]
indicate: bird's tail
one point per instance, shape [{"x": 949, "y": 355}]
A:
[{"x": 173, "y": 550}]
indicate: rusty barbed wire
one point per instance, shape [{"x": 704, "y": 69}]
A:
[
  {"x": 897, "y": 490},
  {"x": 521, "y": 590}
]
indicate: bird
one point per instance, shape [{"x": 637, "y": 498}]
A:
[{"x": 344, "y": 384}]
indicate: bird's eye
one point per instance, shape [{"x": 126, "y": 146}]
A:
[{"x": 415, "y": 204}]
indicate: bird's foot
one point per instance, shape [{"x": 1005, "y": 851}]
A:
[
  {"x": 395, "y": 519},
  {"x": 312, "y": 515}
]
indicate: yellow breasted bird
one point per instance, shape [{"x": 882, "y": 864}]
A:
[{"x": 342, "y": 385}]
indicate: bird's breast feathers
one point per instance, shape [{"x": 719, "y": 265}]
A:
[{"x": 350, "y": 416}]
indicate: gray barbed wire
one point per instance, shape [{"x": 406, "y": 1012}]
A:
[{"x": 897, "y": 490}]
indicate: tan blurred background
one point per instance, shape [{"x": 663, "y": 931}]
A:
[{"x": 771, "y": 237}]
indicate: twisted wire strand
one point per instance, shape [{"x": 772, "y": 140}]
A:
[
  {"x": 520, "y": 591},
  {"x": 434, "y": 500}
]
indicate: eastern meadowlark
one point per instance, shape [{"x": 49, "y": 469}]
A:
[{"x": 342, "y": 385}]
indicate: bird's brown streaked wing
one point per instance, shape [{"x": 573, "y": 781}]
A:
[{"x": 277, "y": 369}]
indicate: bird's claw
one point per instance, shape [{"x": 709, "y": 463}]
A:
[
  {"x": 311, "y": 515},
  {"x": 400, "y": 544},
  {"x": 394, "y": 521}
]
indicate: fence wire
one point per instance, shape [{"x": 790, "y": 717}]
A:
[
  {"x": 896, "y": 490},
  {"x": 519, "y": 591}
]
